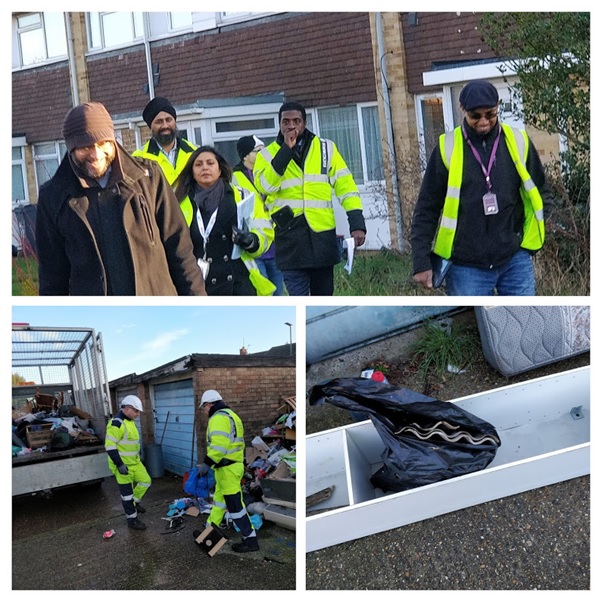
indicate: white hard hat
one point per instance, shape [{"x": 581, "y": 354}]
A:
[
  {"x": 132, "y": 400},
  {"x": 210, "y": 396}
]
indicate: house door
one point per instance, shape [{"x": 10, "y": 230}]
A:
[{"x": 174, "y": 430}]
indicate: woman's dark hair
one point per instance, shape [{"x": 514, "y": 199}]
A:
[{"x": 185, "y": 181}]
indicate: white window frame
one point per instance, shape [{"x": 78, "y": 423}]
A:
[
  {"x": 58, "y": 155},
  {"x": 21, "y": 143},
  {"x": 315, "y": 127},
  {"x": 137, "y": 39},
  {"x": 17, "y": 60}
]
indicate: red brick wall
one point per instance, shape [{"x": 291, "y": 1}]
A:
[
  {"x": 440, "y": 37},
  {"x": 255, "y": 394},
  {"x": 40, "y": 100},
  {"x": 317, "y": 59}
]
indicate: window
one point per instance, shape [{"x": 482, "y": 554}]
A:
[
  {"x": 226, "y": 133},
  {"x": 356, "y": 132},
  {"x": 46, "y": 157},
  {"x": 40, "y": 37},
  {"x": 107, "y": 30},
  {"x": 20, "y": 196},
  {"x": 180, "y": 21},
  {"x": 430, "y": 126}
]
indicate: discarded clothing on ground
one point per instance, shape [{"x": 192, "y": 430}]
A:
[
  {"x": 426, "y": 440},
  {"x": 199, "y": 485}
]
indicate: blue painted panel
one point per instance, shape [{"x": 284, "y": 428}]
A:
[{"x": 174, "y": 415}]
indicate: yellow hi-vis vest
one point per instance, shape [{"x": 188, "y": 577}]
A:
[
  {"x": 260, "y": 225},
  {"x": 185, "y": 149},
  {"x": 123, "y": 436},
  {"x": 225, "y": 437},
  {"x": 308, "y": 190},
  {"x": 451, "y": 146}
]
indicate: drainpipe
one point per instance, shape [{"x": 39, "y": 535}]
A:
[
  {"x": 389, "y": 128},
  {"x": 147, "y": 54},
  {"x": 71, "y": 57}
]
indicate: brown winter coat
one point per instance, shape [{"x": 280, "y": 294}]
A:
[{"x": 158, "y": 238}]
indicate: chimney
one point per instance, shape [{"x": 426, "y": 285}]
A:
[{"x": 243, "y": 351}]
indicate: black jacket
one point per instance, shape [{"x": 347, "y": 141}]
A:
[
  {"x": 226, "y": 276},
  {"x": 157, "y": 258},
  {"x": 481, "y": 241}
]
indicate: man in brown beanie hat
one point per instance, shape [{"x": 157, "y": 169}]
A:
[
  {"x": 169, "y": 149},
  {"x": 109, "y": 224}
]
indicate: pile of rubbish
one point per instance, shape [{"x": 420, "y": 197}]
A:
[{"x": 40, "y": 426}]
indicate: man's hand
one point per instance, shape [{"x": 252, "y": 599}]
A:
[
  {"x": 424, "y": 278},
  {"x": 203, "y": 469},
  {"x": 123, "y": 469},
  {"x": 290, "y": 137},
  {"x": 359, "y": 236}
]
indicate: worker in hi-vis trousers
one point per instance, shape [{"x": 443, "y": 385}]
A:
[
  {"x": 225, "y": 454},
  {"x": 123, "y": 446}
]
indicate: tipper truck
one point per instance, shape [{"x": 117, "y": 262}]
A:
[{"x": 58, "y": 374}]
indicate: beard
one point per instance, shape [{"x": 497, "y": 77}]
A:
[
  {"x": 166, "y": 136},
  {"x": 97, "y": 168}
]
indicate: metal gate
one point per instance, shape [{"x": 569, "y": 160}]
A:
[{"x": 174, "y": 431}]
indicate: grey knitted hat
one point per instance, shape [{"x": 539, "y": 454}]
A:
[{"x": 87, "y": 124}]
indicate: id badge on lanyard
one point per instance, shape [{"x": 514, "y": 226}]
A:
[
  {"x": 490, "y": 204},
  {"x": 202, "y": 262}
]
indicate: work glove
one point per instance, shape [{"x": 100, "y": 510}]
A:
[
  {"x": 203, "y": 469},
  {"x": 245, "y": 239},
  {"x": 123, "y": 469}
]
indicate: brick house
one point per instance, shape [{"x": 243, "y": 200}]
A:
[
  {"x": 227, "y": 74},
  {"x": 253, "y": 385}
]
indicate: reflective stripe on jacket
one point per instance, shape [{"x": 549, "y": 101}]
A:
[
  {"x": 152, "y": 151},
  {"x": 451, "y": 147},
  {"x": 260, "y": 225},
  {"x": 122, "y": 435},
  {"x": 225, "y": 437},
  {"x": 308, "y": 190}
]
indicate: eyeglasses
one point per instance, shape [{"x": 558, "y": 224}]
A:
[{"x": 477, "y": 116}]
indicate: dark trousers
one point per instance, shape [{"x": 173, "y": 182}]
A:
[{"x": 309, "y": 281}]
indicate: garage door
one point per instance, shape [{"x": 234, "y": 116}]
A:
[{"x": 174, "y": 407}]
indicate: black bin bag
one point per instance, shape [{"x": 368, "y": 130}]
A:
[{"x": 426, "y": 440}]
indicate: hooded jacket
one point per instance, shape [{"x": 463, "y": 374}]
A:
[{"x": 158, "y": 258}]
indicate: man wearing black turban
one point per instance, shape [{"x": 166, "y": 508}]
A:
[{"x": 166, "y": 146}]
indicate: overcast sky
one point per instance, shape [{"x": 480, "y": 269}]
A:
[{"x": 140, "y": 338}]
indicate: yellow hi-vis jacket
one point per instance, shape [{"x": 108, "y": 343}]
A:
[
  {"x": 225, "y": 437},
  {"x": 260, "y": 225},
  {"x": 309, "y": 190},
  {"x": 451, "y": 146},
  {"x": 151, "y": 150},
  {"x": 123, "y": 436}
]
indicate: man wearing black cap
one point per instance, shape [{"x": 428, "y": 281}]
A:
[
  {"x": 108, "y": 224},
  {"x": 480, "y": 210},
  {"x": 242, "y": 176},
  {"x": 170, "y": 150}
]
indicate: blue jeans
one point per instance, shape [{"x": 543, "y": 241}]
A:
[
  {"x": 309, "y": 281},
  {"x": 269, "y": 270},
  {"x": 515, "y": 277}
]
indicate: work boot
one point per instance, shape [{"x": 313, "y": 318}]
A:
[
  {"x": 136, "y": 523},
  {"x": 250, "y": 544},
  {"x": 140, "y": 508}
]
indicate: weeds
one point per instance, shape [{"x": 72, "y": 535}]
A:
[{"x": 442, "y": 345}]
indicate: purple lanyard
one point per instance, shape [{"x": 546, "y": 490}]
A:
[{"x": 487, "y": 171}]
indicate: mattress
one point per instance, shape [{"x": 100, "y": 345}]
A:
[{"x": 518, "y": 339}]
